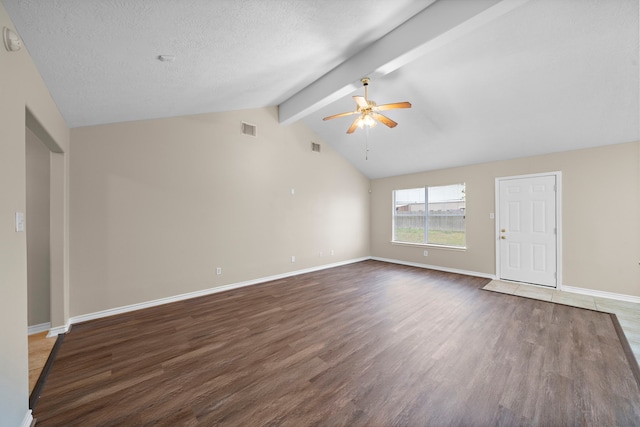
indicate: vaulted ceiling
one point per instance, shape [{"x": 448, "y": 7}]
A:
[{"x": 488, "y": 79}]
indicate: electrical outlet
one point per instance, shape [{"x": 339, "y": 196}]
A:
[
  {"x": 331, "y": 252},
  {"x": 320, "y": 254},
  {"x": 293, "y": 258},
  {"x": 218, "y": 270},
  {"x": 426, "y": 253}
]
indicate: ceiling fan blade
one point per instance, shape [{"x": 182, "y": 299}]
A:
[
  {"x": 335, "y": 116},
  {"x": 353, "y": 126},
  {"x": 384, "y": 119},
  {"x": 392, "y": 106},
  {"x": 361, "y": 101}
]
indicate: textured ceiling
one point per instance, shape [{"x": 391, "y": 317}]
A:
[
  {"x": 537, "y": 76},
  {"x": 99, "y": 57}
]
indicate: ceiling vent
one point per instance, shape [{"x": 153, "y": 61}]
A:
[
  {"x": 315, "y": 147},
  {"x": 248, "y": 129}
]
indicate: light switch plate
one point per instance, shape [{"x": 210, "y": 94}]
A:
[{"x": 19, "y": 221}]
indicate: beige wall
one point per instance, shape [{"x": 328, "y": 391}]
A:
[
  {"x": 601, "y": 211},
  {"x": 38, "y": 230},
  {"x": 20, "y": 88},
  {"x": 157, "y": 205}
]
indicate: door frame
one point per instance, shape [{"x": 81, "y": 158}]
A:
[
  {"x": 58, "y": 226},
  {"x": 558, "y": 176}
]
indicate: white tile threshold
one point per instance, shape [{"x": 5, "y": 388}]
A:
[{"x": 628, "y": 313}]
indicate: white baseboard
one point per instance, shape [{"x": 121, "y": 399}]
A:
[
  {"x": 189, "y": 295},
  {"x": 54, "y": 332},
  {"x": 602, "y": 294},
  {"x": 132, "y": 307},
  {"x": 36, "y": 329},
  {"x": 125, "y": 309},
  {"x": 436, "y": 267},
  {"x": 27, "y": 420}
]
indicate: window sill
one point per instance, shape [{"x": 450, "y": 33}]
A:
[{"x": 430, "y": 245}]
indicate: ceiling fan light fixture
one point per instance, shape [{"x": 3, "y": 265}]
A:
[
  {"x": 366, "y": 120},
  {"x": 369, "y": 111}
]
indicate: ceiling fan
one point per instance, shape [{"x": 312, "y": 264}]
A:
[{"x": 368, "y": 111}]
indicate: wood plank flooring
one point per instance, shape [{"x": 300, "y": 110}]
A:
[
  {"x": 368, "y": 344},
  {"x": 39, "y": 349}
]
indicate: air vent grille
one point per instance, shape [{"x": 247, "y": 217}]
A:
[
  {"x": 315, "y": 147},
  {"x": 249, "y": 129}
]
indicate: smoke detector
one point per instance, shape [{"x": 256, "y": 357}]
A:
[{"x": 12, "y": 41}]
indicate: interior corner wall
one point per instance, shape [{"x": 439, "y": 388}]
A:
[
  {"x": 157, "y": 205},
  {"x": 21, "y": 88},
  {"x": 600, "y": 216}
]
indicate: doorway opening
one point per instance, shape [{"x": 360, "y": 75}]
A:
[
  {"x": 38, "y": 231},
  {"x": 46, "y": 237}
]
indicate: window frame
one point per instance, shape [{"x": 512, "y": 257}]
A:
[{"x": 427, "y": 215}]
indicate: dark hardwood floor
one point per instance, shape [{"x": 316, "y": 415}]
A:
[{"x": 368, "y": 344}]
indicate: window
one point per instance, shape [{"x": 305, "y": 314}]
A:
[{"x": 430, "y": 215}]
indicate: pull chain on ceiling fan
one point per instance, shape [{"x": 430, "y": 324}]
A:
[{"x": 368, "y": 111}]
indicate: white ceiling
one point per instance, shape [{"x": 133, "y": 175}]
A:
[{"x": 522, "y": 77}]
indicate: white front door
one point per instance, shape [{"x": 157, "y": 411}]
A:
[{"x": 528, "y": 230}]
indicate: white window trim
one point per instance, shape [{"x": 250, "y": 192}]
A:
[{"x": 430, "y": 245}]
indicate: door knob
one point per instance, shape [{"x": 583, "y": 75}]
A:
[
  {"x": 502, "y": 237},
  {"x": 503, "y": 230}
]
